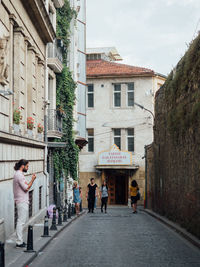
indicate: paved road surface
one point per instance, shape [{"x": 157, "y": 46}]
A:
[{"x": 119, "y": 239}]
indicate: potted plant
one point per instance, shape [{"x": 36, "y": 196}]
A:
[
  {"x": 16, "y": 120},
  {"x": 40, "y": 129},
  {"x": 30, "y": 125}
]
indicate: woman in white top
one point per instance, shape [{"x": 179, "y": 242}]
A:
[{"x": 104, "y": 196}]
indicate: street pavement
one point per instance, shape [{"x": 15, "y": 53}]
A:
[{"x": 118, "y": 238}]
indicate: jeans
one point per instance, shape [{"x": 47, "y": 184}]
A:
[
  {"x": 22, "y": 213},
  {"x": 104, "y": 201}
]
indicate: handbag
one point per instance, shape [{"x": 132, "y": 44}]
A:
[{"x": 138, "y": 195}]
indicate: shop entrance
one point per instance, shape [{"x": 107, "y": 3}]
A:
[{"x": 118, "y": 188}]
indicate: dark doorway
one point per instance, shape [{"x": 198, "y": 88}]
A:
[{"x": 118, "y": 187}]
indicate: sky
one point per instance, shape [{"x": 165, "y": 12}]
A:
[{"x": 147, "y": 33}]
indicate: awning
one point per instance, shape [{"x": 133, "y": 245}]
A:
[
  {"x": 81, "y": 142},
  {"x": 117, "y": 167}
]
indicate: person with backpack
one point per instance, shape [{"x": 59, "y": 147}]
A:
[
  {"x": 104, "y": 196},
  {"x": 135, "y": 195}
]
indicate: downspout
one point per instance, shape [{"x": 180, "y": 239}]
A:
[
  {"x": 146, "y": 166},
  {"x": 46, "y": 127}
]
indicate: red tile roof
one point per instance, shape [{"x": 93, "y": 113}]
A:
[{"x": 102, "y": 68}]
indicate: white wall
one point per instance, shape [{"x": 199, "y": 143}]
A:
[{"x": 104, "y": 117}]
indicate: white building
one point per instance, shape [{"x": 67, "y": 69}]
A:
[
  {"x": 77, "y": 65},
  {"x": 114, "y": 118},
  {"x": 26, "y": 27}
]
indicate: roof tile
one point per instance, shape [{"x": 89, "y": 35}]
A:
[{"x": 99, "y": 68}]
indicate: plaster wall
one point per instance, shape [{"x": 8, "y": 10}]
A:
[
  {"x": 77, "y": 64},
  {"x": 104, "y": 117}
]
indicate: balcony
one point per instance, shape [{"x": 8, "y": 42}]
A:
[
  {"x": 54, "y": 122},
  {"x": 55, "y": 58},
  {"x": 38, "y": 14}
]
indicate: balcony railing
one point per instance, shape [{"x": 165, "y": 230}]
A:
[
  {"x": 55, "y": 57},
  {"x": 55, "y": 121},
  {"x": 55, "y": 50}
]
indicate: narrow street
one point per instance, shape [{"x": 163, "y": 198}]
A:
[{"x": 118, "y": 238}]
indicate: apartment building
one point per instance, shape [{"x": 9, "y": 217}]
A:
[
  {"x": 27, "y": 96},
  {"x": 77, "y": 65},
  {"x": 120, "y": 110}
]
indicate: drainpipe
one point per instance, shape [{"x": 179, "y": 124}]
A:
[
  {"x": 45, "y": 127},
  {"x": 145, "y": 196}
]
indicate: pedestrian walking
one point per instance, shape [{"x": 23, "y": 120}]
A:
[
  {"x": 104, "y": 196},
  {"x": 92, "y": 192},
  {"x": 134, "y": 192},
  {"x": 76, "y": 195},
  {"x": 21, "y": 197}
]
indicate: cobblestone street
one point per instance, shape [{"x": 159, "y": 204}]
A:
[{"x": 120, "y": 239}]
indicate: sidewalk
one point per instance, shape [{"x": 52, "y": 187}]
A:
[
  {"x": 183, "y": 232},
  {"x": 16, "y": 257}
]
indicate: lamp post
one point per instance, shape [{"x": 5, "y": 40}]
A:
[
  {"x": 145, "y": 199},
  {"x": 142, "y": 107}
]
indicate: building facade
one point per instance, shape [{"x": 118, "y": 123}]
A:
[
  {"x": 26, "y": 27},
  {"x": 77, "y": 65},
  {"x": 117, "y": 127}
]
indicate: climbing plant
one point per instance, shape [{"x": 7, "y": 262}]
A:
[
  {"x": 65, "y": 159},
  {"x": 182, "y": 92}
]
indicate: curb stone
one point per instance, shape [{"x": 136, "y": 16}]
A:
[{"x": 181, "y": 231}]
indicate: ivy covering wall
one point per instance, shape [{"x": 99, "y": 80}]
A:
[{"x": 65, "y": 159}]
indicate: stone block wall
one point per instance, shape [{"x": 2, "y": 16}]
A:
[{"x": 175, "y": 183}]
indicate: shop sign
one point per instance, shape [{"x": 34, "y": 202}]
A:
[{"x": 115, "y": 157}]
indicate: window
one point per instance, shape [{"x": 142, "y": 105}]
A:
[
  {"x": 130, "y": 140},
  {"x": 130, "y": 94},
  {"x": 90, "y": 96},
  {"x": 90, "y": 140},
  {"x": 40, "y": 197},
  {"x": 117, "y": 137},
  {"x": 117, "y": 95}
]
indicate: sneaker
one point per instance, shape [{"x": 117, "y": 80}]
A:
[
  {"x": 105, "y": 211},
  {"x": 101, "y": 210},
  {"x": 23, "y": 245}
]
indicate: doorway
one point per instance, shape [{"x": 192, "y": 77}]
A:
[{"x": 118, "y": 188}]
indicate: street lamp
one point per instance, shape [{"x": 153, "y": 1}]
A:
[
  {"x": 145, "y": 201},
  {"x": 8, "y": 92},
  {"x": 142, "y": 107}
]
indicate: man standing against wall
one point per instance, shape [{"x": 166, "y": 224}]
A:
[{"x": 21, "y": 197}]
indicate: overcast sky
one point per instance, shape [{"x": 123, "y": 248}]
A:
[{"x": 146, "y": 33}]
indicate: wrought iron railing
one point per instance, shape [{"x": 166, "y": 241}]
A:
[{"x": 55, "y": 120}]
